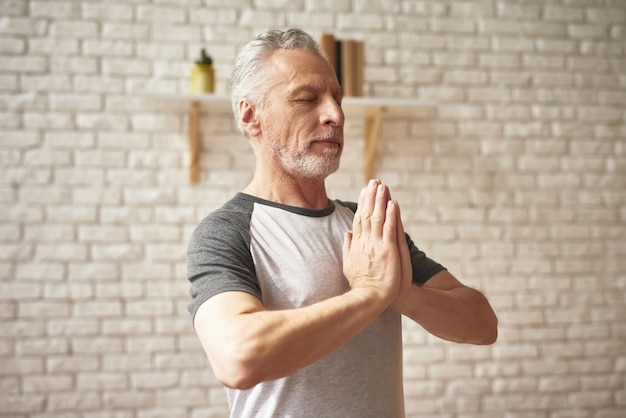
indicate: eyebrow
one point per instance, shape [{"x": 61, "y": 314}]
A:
[{"x": 311, "y": 88}]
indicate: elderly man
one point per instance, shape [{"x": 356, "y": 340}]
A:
[{"x": 297, "y": 298}]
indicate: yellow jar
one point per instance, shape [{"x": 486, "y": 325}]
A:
[{"x": 202, "y": 78}]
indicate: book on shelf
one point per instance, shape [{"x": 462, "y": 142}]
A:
[{"x": 347, "y": 56}]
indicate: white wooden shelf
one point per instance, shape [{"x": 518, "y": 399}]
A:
[{"x": 371, "y": 109}]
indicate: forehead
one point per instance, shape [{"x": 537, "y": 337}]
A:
[{"x": 295, "y": 67}]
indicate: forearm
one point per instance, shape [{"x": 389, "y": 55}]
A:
[
  {"x": 263, "y": 345},
  {"x": 460, "y": 314}
]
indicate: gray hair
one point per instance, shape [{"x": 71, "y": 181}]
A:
[{"x": 246, "y": 79}]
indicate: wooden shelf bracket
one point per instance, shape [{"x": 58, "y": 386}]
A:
[
  {"x": 193, "y": 138},
  {"x": 372, "y": 127}
]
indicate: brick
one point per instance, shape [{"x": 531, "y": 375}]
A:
[
  {"x": 160, "y": 14},
  {"x": 585, "y": 31},
  {"x": 179, "y": 325},
  {"x": 74, "y": 29},
  {"x": 24, "y": 64},
  {"x": 43, "y": 346},
  {"x": 563, "y": 13},
  {"x": 102, "y": 233},
  {"x": 39, "y": 271},
  {"x": 419, "y": 76},
  {"x": 50, "y": 46},
  {"x": 22, "y": 404},
  {"x": 335, "y": 5},
  {"x": 587, "y": 64},
  {"x": 152, "y": 380},
  {"x": 605, "y": 15},
  {"x": 61, "y": 252},
  {"x": 46, "y": 383},
  {"x": 560, "y": 46},
  {"x": 155, "y": 234},
  {"x": 143, "y": 270},
  {"x": 152, "y": 344},
  {"x": 101, "y": 381},
  {"x": 543, "y": 62},
  {"x": 438, "y": 371},
  {"x": 12, "y": 46},
  {"x": 54, "y": 9},
  {"x": 19, "y": 290},
  {"x": 466, "y": 77},
  {"x": 74, "y": 65},
  {"x": 369, "y": 21},
  {"x": 149, "y": 308},
  {"x": 75, "y": 102},
  {"x": 127, "y": 400},
  {"x": 118, "y": 30},
  {"x": 13, "y": 8},
  {"x": 8, "y": 83},
  {"x": 84, "y": 401},
  {"x": 63, "y": 291},
  {"x": 452, "y": 25},
  {"x": 119, "y": 291},
  {"x": 24, "y": 26},
  {"x": 48, "y": 233},
  {"x": 160, "y": 122},
  {"x": 125, "y": 67},
  {"x": 523, "y": 11},
  {"x": 552, "y": 79},
  {"x": 98, "y": 345},
  {"x": 176, "y": 360},
  {"x": 107, "y": 12},
  {"x": 46, "y": 309}
]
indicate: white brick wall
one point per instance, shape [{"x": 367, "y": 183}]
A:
[{"x": 516, "y": 182}]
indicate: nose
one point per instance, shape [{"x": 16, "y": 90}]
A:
[{"x": 332, "y": 113}]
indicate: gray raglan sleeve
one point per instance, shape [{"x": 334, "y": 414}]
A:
[{"x": 219, "y": 259}]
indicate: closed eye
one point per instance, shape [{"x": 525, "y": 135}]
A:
[{"x": 306, "y": 99}]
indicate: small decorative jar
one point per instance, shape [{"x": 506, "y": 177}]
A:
[{"x": 203, "y": 75}]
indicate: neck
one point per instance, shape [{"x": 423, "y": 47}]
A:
[{"x": 288, "y": 190}]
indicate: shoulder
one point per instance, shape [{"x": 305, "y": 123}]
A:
[
  {"x": 350, "y": 205},
  {"x": 226, "y": 227}
]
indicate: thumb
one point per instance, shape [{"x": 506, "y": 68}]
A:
[{"x": 347, "y": 243}]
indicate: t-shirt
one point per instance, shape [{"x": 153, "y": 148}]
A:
[{"x": 290, "y": 257}]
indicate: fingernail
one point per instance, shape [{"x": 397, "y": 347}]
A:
[{"x": 372, "y": 183}]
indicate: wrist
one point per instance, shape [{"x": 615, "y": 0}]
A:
[
  {"x": 407, "y": 301},
  {"x": 370, "y": 297}
]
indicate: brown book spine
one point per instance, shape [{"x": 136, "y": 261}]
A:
[
  {"x": 348, "y": 67},
  {"x": 360, "y": 68},
  {"x": 329, "y": 47}
]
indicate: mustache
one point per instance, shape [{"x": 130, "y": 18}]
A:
[{"x": 334, "y": 133}]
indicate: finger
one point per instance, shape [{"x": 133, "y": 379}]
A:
[
  {"x": 361, "y": 224},
  {"x": 403, "y": 249},
  {"x": 345, "y": 249},
  {"x": 402, "y": 242},
  {"x": 390, "y": 227},
  {"x": 379, "y": 211}
]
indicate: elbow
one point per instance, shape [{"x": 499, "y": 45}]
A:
[
  {"x": 237, "y": 370},
  {"x": 491, "y": 337},
  {"x": 235, "y": 379},
  {"x": 490, "y": 331}
]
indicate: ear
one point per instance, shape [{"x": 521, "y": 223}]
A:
[{"x": 248, "y": 118}]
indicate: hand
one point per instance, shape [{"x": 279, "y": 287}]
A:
[
  {"x": 371, "y": 259},
  {"x": 406, "y": 283}
]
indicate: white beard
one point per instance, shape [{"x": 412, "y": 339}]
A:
[{"x": 309, "y": 165}]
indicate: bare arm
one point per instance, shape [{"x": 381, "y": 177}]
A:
[
  {"x": 247, "y": 344},
  {"x": 443, "y": 305},
  {"x": 448, "y": 309}
]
